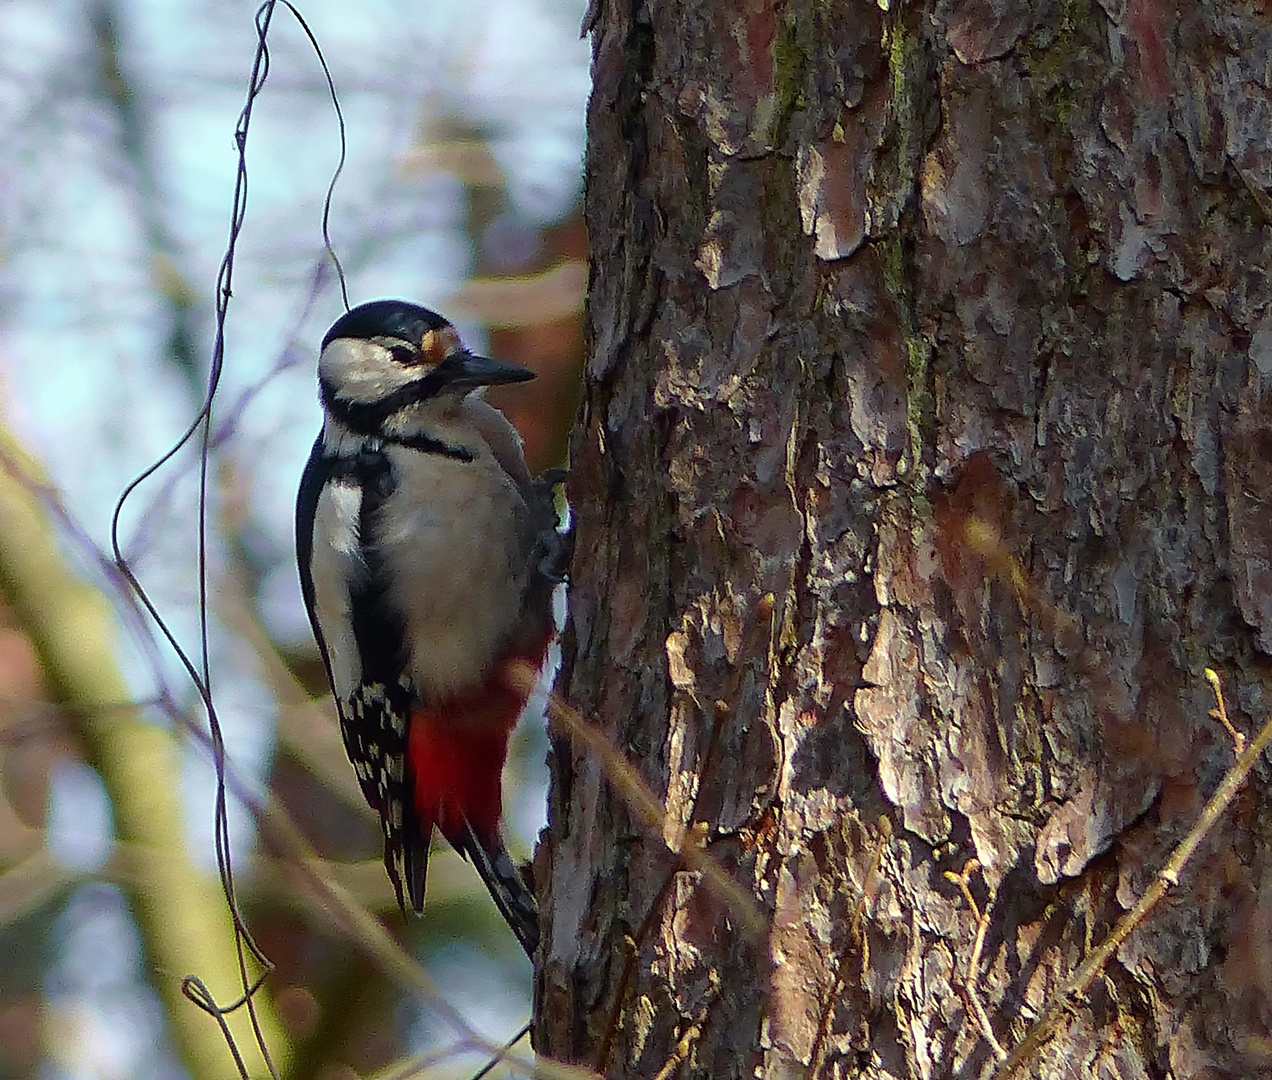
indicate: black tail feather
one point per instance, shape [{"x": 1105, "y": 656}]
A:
[
  {"x": 507, "y": 888},
  {"x": 409, "y": 861},
  {"x": 415, "y": 856}
]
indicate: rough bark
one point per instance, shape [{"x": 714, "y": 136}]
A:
[{"x": 947, "y": 327}]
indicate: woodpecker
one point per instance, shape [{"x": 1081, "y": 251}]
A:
[{"x": 428, "y": 557}]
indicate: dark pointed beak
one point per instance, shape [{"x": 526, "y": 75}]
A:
[{"x": 468, "y": 369}]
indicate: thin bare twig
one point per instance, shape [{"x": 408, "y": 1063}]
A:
[
  {"x": 200, "y": 433},
  {"x": 971, "y": 982},
  {"x": 642, "y": 802},
  {"x": 684, "y": 1046},
  {"x": 1082, "y": 979},
  {"x": 485, "y": 1070},
  {"x": 1220, "y": 711},
  {"x": 71, "y": 630},
  {"x": 332, "y": 903}
]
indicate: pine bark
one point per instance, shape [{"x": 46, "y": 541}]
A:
[{"x": 925, "y": 461}]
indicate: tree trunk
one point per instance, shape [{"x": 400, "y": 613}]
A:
[{"x": 924, "y": 463}]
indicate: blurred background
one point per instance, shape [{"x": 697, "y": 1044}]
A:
[{"x": 460, "y": 191}]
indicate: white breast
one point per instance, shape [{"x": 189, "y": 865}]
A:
[{"x": 454, "y": 535}]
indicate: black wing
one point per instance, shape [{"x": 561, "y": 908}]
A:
[
  {"x": 373, "y": 721},
  {"x": 317, "y": 469}
]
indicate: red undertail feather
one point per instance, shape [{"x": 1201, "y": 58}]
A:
[
  {"x": 456, "y": 752},
  {"x": 457, "y": 765}
]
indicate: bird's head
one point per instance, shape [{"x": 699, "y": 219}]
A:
[{"x": 389, "y": 356}]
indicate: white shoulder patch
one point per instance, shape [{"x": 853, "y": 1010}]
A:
[
  {"x": 342, "y": 504},
  {"x": 335, "y": 564}
]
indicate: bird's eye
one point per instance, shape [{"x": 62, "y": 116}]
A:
[{"x": 404, "y": 354}]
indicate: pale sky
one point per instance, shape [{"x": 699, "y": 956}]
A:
[{"x": 82, "y": 376}]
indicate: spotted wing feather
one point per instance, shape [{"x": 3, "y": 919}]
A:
[
  {"x": 373, "y": 725},
  {"x": 374, "y": 715}
]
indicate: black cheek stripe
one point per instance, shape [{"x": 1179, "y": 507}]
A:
[{"x": 368, "y": 419}]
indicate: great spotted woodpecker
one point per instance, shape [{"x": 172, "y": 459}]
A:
[{"x": 428, "y": 557}]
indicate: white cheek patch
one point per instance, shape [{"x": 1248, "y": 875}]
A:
[{"x": 363, "y": 370}]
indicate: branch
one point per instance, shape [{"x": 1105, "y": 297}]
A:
[{"x": 180, "y": 912}]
